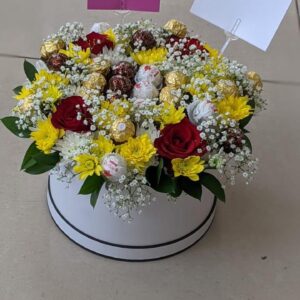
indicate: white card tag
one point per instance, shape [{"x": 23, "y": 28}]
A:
[{"x": 258, "y": 19}]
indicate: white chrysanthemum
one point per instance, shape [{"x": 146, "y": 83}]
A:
[
  {"x": 115, "y": 55},
  {"x": 73, "y": 144},
  {"x": 199, "y": 111}
]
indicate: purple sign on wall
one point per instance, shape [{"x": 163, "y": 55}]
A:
[{"x": 139, "y": 5}]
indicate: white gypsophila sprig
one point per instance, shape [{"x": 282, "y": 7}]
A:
[{"x": 128, "y": 195}]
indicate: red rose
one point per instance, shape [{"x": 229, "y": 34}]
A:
[
  {"x": 67, "y": 112},
  {"x": 180, "y": 141},
  {"x": 96, "y": 42},
  {"x": 189, "y": 47}
]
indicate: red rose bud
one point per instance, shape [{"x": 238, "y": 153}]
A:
[
  {"x": 96, "y": 42},
  {"x": 180, "y": 141},
  {"x": 72, "y": 114}
]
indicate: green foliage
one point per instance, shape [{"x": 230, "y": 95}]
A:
[
  {"x": 17, "y": 90},
  {"x": 10, "y": 124},
  {"x": 213, "y": 185},
  {"x": 92, "y": 186},
  {"x": 192, "y": 188},
  {"x": 160, "y": 181},
  {"x": 248, "y": 142},
  {"x": 30, "y": 70},
  {"x": 36, "y": 162}
]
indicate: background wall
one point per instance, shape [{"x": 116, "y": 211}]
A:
[{"x": 253, "y": 248}]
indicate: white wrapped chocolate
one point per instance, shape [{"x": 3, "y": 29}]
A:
[
  {"x": 149, "y": 73},
  {"x": 114, "y": 166},
  {"x": 145, "y": 90},
  {"x": 100, "y": 27},
  {"x": 199, "y": 111}
]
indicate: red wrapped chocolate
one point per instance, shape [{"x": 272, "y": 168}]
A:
[
  {"x": 124, "y": 68},
  {"x": 143, "y": 38},
  {"x": 120, "y": 83}
]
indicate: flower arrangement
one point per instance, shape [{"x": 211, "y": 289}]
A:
[{"x": 136, "y": 106}]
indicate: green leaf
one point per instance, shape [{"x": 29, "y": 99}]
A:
[
  {"x": 17, "y": 90},
  {"x": 94, "y": 198},
  {"x": 159, "y": 170},
  {"x": 46, "y": 159},
  {"x": 10, "y": 124},
  {"x": 28, "y": 156},
  {"x": 166, "y": 183},
  {"x": 192, "y": 188},
  {"x": 30, "y": 70},
  {"x": 37, "y": 169},
  {"x": 213, "y": 185},
  {"x": 247, "y": 142},
  {"x": 91, "y": 184},
  {"x": 178, "y": 189},
  {"x": 36, "y": 162}
]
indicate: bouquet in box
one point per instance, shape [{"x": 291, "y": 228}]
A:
[{"x": 136, "y": 106}]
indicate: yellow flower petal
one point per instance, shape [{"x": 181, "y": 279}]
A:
[{"x": 189, "y": 167}]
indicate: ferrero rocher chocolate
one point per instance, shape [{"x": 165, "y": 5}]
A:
[
  {"x": 95, "y": 81},
  {"x": 100, "y": 66},
  {"x": 227, "y": 88},
  {"x": 124, "y": 68},
  {"x": 176, "y": 28},
  {"x": 175, "y": 79},
  {"x": 55, "y": 61},
  {"x": 51, "y": 46},
  {"x": 120, "y": 83},
  {"x": 167, "y": 95},
  {"x": 121, "y": 130},
  {"x": 256, "y": 80}
]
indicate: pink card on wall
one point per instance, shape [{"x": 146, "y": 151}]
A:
[{"x": 139, "y": 5}]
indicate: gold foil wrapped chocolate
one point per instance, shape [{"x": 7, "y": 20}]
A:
[
  {"x": 227, "y": 88},
  {"x": 256, "y": 80},
  {"x": 95, "y": 81},
  {"x": 50, "y": 47},
  {"x": 121, "y": 130},
  {"x": 167, "y": 94},
  {"x": 175, "y": 79},
  {"x": 177, "y": 28},
  {"x": 100, "y": 66}
]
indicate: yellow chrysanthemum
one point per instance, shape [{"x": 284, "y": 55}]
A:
[
  {"x": 53, "y": 93},
  {"x": 170, "y": 115},
  {"x": 110, "y": 35},
  {"x": 46, "y": 135},
  {"x": 24, "y": 93},
  {"x": 235, "y": 108},
  {"x": 137, "y": 151},
  {"x": 189, "y": 167},
  {"x": 151, "y": 56},
  {"x": 54, "y": 79},
  {"x": 212, "y": 51},
  {"x": 80, "y": 56},
  {"x": 102, "y": 146},
  {"x": 87, "y": 165}
]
